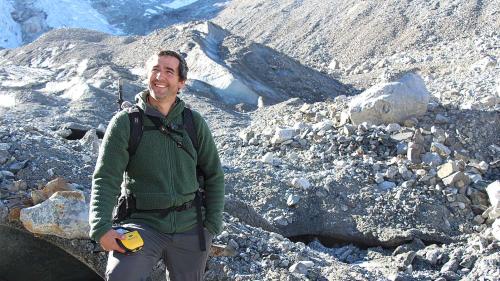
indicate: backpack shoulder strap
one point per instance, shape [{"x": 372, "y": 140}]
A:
[
  {"x": 200, "y": 197},
  {"x": 135, "y": 115},
  {"x": 188, "y": 123}
]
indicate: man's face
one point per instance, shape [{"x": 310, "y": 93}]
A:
[{"x": 163, "y": 77}]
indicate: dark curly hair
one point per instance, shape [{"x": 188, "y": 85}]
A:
[{"x": 183, "y": 68}]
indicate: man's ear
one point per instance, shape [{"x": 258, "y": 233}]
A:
[{"x": 182, "y": 84}]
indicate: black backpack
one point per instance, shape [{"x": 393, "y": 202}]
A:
[{"x": 136, "y": 115}]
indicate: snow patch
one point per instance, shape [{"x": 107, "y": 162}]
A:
[
  {"x": 139, "y": 71},
  {"x": 67, "y": 13}
]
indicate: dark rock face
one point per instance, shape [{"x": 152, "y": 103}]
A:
[{"x": 25, "y": 257}]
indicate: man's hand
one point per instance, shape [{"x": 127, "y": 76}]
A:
[{"x": 108, "y": 241}]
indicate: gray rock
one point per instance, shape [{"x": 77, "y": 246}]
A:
[
  {"x": 292, "y": 200},
  {"x": 17, "y": 166},
  {"x": 405, "y": 259},
  {"x": 246, "y": 135},
  {"x": 451, "y": 265},
  {"x": 401, "y": 148},
  {"x": 440, "y": 148},
  {"x": 433, "y": 255},
  {"x": 432, "y": 159},
  {"x": 91, "y": 141},
  {"x": 301, "y": 183},
  {"x": 441, "y": 119},
  {"x": 468, "y": 261},
  {"x": 324, "y": 125},
  {"x": 301, "y": 267},
  {"x": 269, "y": 158},
  {"x": 393, "y": 127},
  {"x": 7, "y": 175},
  {"x": 379, "y": 177},
  {"x": 415, "y": 245},
  {"x": 391, "y": 172},
  {"x": 386, "y": 185},
  {"x": 283, "y": 134},
  {"x": 480, "y": 166}
]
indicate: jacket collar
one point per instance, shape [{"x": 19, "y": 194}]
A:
[{"x": 141, "y": 101}]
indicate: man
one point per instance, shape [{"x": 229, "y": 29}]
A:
[{"x": 160, "y": 174}]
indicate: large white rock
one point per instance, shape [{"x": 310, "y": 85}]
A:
[
  {"x": 493, "y": 191},
  {"x": 64, "y": 214},
  {"x": 391, "y": 102}
]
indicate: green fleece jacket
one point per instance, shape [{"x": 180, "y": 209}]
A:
[{"x": 160, "y": 174}]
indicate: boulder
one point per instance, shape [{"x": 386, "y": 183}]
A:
[
  {"x": 493, "y": 191},
  {"x": 392, "y": 102},
  {"x": 64, "y": 214}
]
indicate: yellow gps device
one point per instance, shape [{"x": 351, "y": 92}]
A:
[{"x": 133, "y": 241}]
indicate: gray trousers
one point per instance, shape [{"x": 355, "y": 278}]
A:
[{"x": 180, "y": 251}]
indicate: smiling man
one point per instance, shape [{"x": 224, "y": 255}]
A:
[{"x": 171, "y": 181}]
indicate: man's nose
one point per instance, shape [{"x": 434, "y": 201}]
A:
[{"x": 158, "y": 75}]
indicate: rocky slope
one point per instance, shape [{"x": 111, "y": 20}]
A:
[{"x": 316, "y": 32}]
